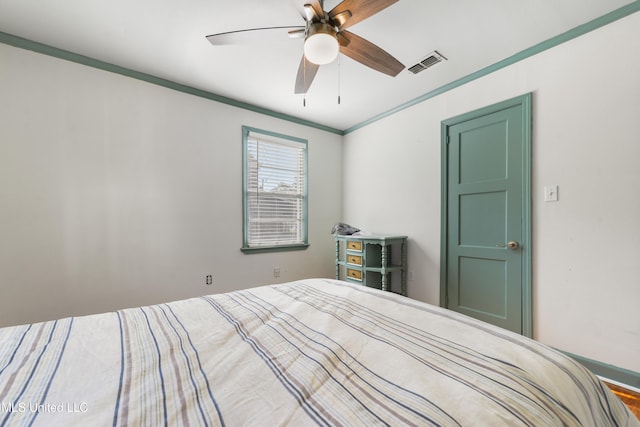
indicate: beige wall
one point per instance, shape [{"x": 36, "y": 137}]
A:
[
  {"x": 586, "y": 139},
  {"x": 117, "y": 193}
]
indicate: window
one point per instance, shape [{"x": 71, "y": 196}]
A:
[{"x": 275, "y": 191}]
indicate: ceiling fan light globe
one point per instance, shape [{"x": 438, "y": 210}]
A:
[{"x": 321, "y": 45}]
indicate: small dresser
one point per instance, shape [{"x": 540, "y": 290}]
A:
[{"x": 377, "y": 261}]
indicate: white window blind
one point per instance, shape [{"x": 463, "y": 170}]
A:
[{"x": 275, "y": 193}]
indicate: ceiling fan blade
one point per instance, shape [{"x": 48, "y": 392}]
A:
[
  {"x": 298, "y": 33},
  {"x": 306, "y": 73},
  {"x": 360, "y": 10},
  {"x": 367, "y": 53},
  {"x": 313, "y": 12},
  {"x": 262, "y": 35}
]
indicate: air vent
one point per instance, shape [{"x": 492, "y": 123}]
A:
[{"x": 428, "y": 61}]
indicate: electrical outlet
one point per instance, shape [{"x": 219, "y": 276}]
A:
[
  {"x": 209, "y": 279},
  {"x": 276, "y": 272},
  {"x": 411, "y": 275}
]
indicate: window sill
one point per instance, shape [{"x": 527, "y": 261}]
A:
[{"x": 262, "y": 249}]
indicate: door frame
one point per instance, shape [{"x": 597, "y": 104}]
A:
[{"x": 524, "y": 101}]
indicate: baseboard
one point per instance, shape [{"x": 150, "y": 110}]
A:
[{"x": 621, "y": 375}]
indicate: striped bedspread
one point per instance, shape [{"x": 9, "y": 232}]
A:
[{"x": 312, "y": 352}]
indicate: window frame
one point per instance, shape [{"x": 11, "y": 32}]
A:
[{"x": 248, "y": 131}]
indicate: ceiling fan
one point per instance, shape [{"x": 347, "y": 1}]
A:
[{"x": 326, "y": 35}]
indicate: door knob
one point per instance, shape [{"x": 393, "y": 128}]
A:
[{"x": 511, "y": 245}]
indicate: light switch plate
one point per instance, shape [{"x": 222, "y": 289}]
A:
[{"x": 551, "y": 193}]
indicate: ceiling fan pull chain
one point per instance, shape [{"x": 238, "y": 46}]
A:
[
  {"x": 339, "y": 78},
  {"x": 304, "y": 78}
]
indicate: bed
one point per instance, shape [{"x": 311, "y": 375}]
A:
[{"x": 310, "y": 352}]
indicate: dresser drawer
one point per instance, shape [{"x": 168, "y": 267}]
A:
[
  {"x": 354, "y": 274},
  {"x": 354, "y": 259},
  {"x": 354, "y": 246}
]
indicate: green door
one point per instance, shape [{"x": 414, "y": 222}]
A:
[{"x": 486, "y": 213}]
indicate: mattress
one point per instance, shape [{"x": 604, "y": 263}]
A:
[{"x": 310, "y": 352}]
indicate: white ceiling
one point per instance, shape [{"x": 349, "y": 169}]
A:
[{"x": 166, "y": 39}]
